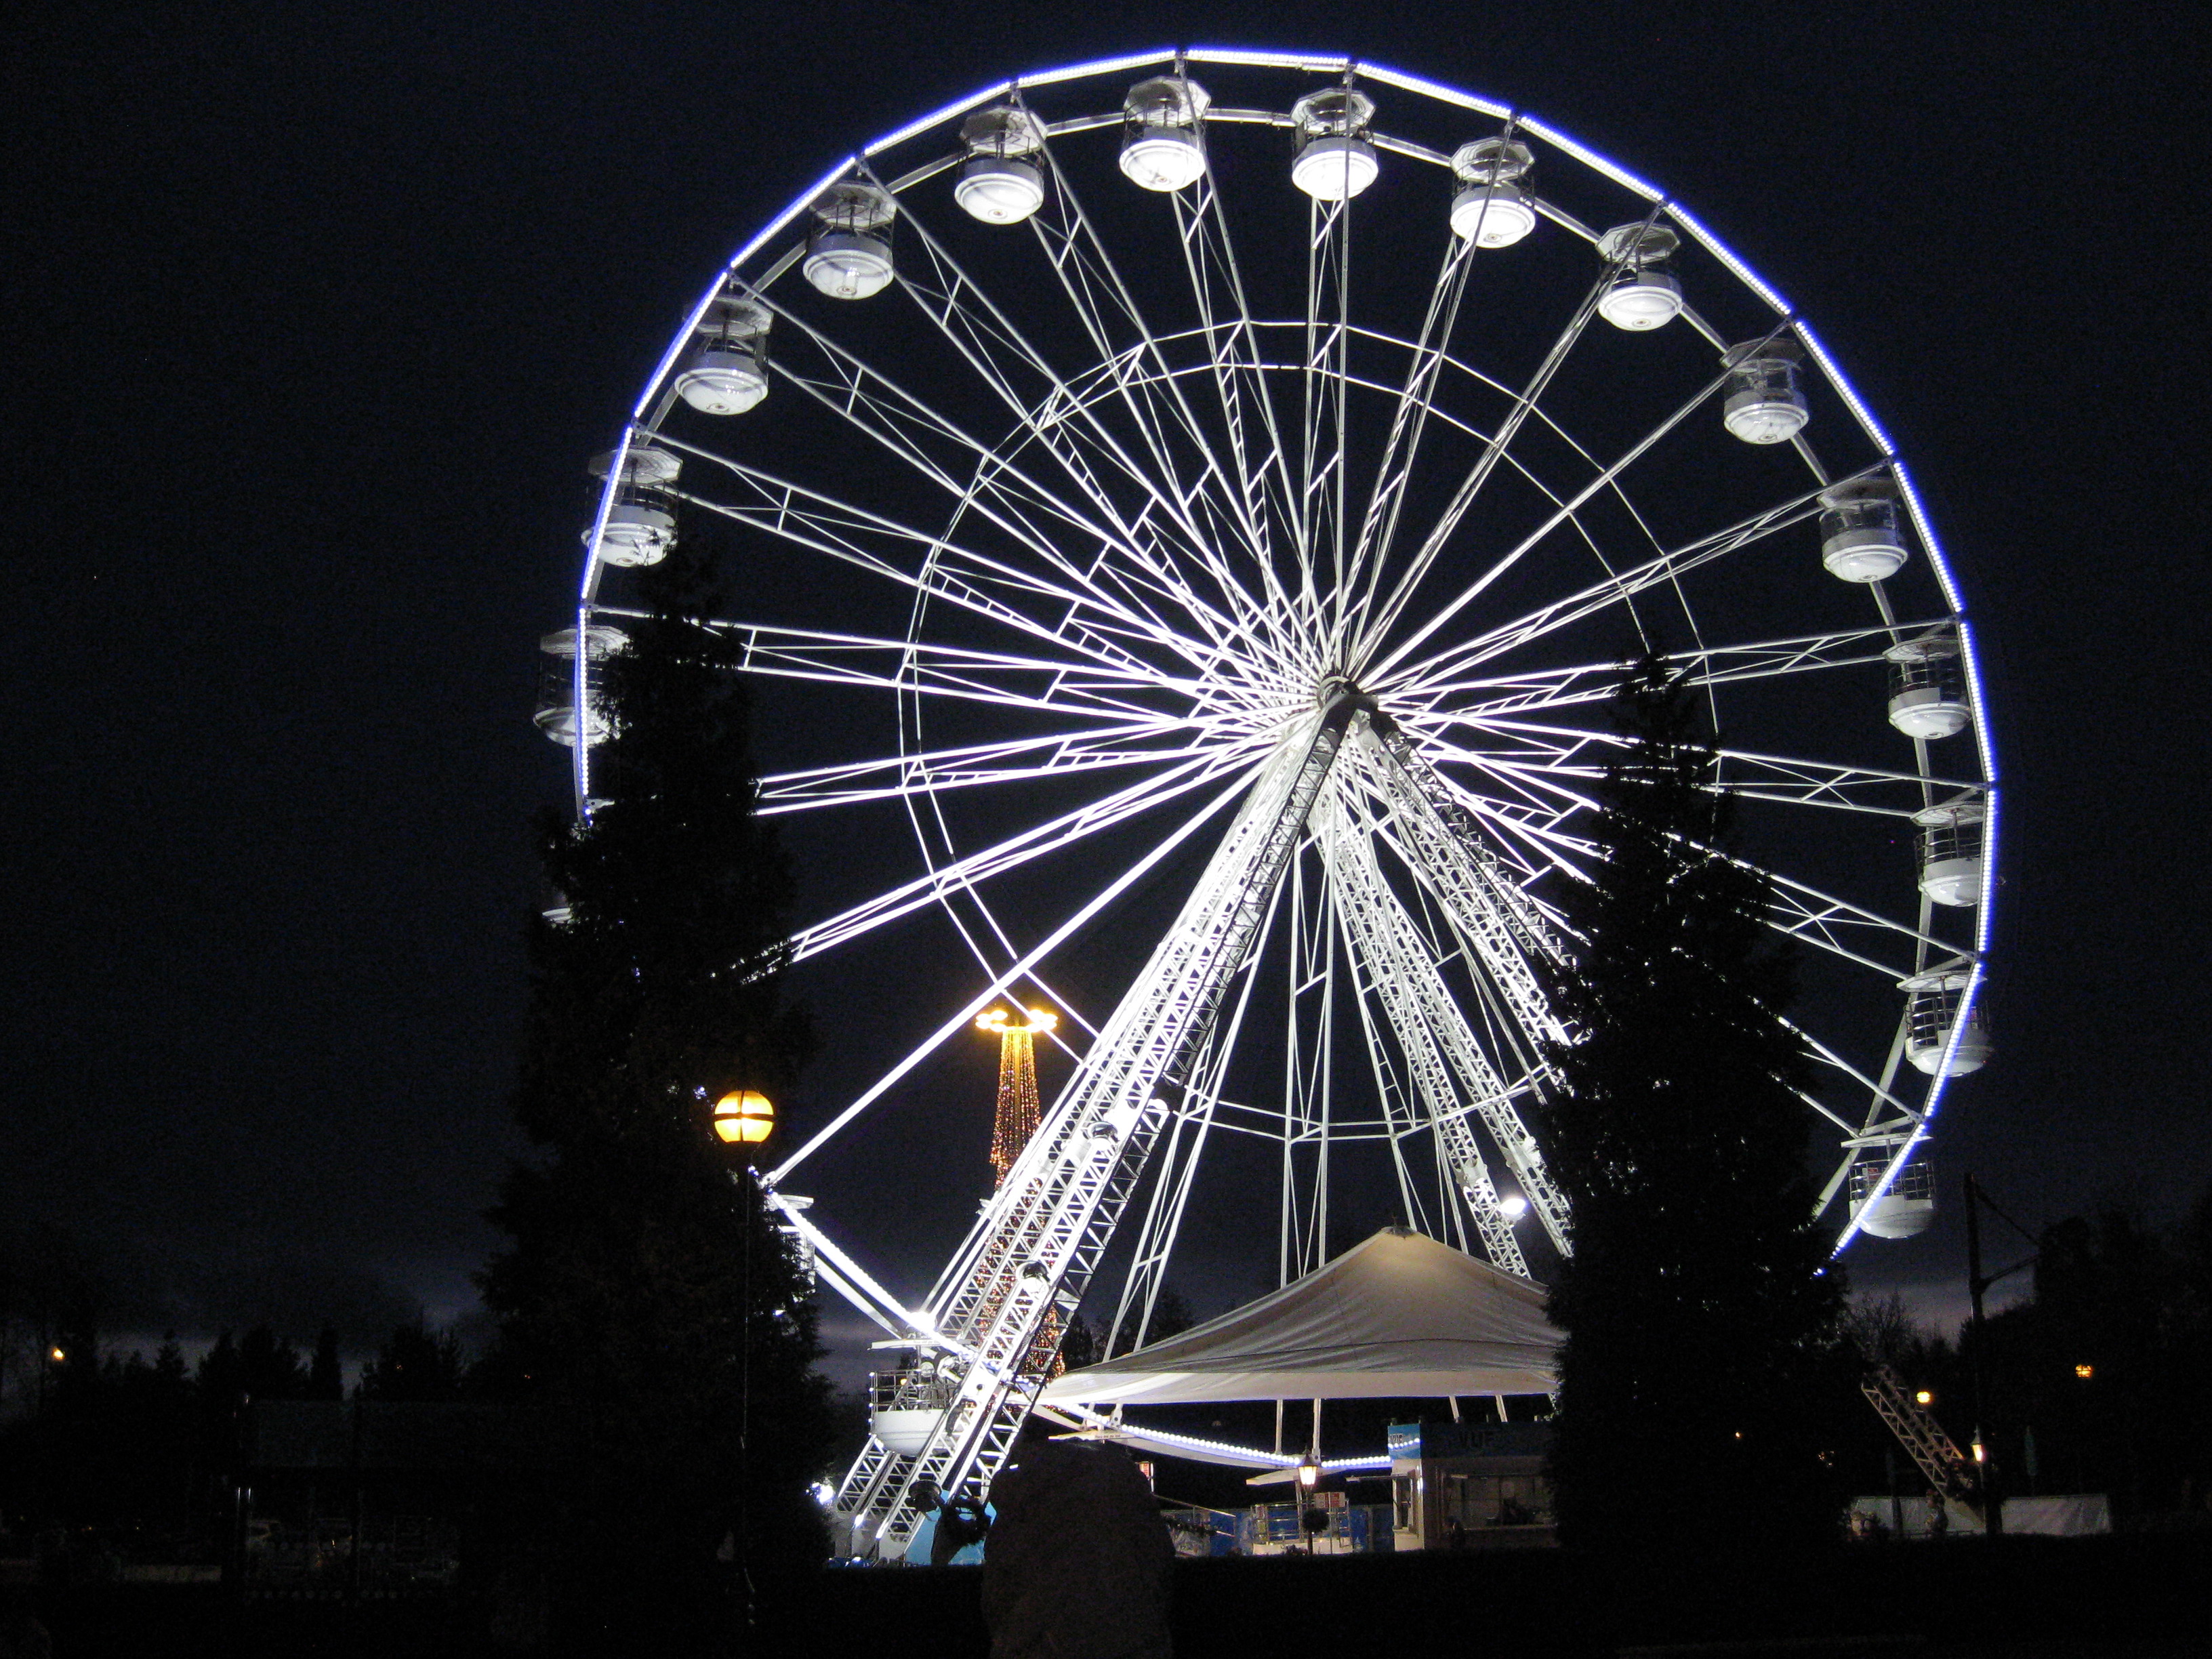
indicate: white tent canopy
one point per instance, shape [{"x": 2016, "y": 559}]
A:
[{"x": 1400, "y": 1315}]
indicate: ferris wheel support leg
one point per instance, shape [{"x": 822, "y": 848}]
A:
[
  {"x": 1034, "y": 1249},
  {"x": 1426, "y": 1022},
  {"x": 1497, "y": 921}
]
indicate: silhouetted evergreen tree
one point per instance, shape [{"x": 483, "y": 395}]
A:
[
  {"x": 645, "y": 1299},
  {"x": 1078, "y": 1344},
  {"x": 325, "y": 1372},
  {"x": 268, "y": 1367},
  {"x": 415, "y": 1363},
  {"x": 1701, "y": 1357}
]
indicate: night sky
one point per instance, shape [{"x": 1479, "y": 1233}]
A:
[{"x": 313, "y": 314}]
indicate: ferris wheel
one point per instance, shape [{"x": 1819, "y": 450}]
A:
[{"x": 1219, "y": 489}]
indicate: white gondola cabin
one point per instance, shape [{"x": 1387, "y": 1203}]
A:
[{"x": 1492, "y": 208}]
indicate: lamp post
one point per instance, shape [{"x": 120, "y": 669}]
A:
[
  {"x": 1309, "y": 1477},
  {"x": 746, "y": 1118},
  {"x": 1986, "y": 1480}
]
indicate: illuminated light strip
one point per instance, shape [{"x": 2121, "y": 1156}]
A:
[
  {"x": 1713, "y": 244},
  {"x": 930, "y": 121},
  {"x": 1089, "y": 1420},
  {"x": 1989, "y": 873},
  {"x": 1872, "y": 428},
  {"x": 1919, "y": 513},
  {"x": 1096, "y": 66},
  {"x": 579, "y": 680},
  {"x": 1268, "y": 59},
  {"x": 1590, "y": 158},
  {"x": 1983, "y": 740},
  {"x": 1443, "y": 94}
]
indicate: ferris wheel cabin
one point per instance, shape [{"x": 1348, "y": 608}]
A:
[
  {"x": 1927, "y": 687},
  {"x": 641, "y": 521},
  {"x": 1335, "y": 161},
  {"x": 1932, "y": 1018},
  {"x": 1492, "y": 208},
  {"x": 727, "y": 372},
  {"x": 1951, "y": 852},
  {"x": 1860, "y": 538},
  {"x": 1161, "y": 149},
  {"x": 1000, "y": 182},
  {"x": 1906, "y": 1207},
  {"x": 849, "y": 255},
  {"x": 556, "y": 684},
  {"x": 1643, "y": 293},
  {"x": 1765, "y": 404}
]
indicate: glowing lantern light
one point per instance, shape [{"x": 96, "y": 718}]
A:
[{"x": 744, "y": 1115}]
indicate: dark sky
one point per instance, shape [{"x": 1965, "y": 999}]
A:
[{"x": 313, "y": 312}]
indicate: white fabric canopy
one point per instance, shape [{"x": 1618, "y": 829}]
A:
[{"x": 1399, "y": 1315}]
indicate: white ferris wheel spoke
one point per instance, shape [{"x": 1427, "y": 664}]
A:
[
  {"x": 1606, "y": 480},
  {"x": 976, "y": 335},
  {"x": 1524, "y": 408},
  {"x": 1583, "y": 684},
  {"x": 1021, "y": 968},
  {"x": 1265, "y": 491},
  {"x": 900, "y": 423},
  {"x": 903, "y": 777},
  {"x": 1015, "y": 850},
  {"x": 821, "y": 523},
  {"x": 1378, "y": 527},
  {"x": 1666, "y": 568}
]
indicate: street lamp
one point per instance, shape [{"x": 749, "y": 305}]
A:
[{"x": 744, "y": 1116}]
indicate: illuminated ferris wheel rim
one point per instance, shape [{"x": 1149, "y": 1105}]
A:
[{"x": 1217, "y": 723}]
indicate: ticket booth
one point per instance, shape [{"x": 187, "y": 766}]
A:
[{"x": 1486, "y": 1477}]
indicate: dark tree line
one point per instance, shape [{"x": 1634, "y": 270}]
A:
[
  {"x": 2097, "y": 1381},
  {"x": 147, "y": 1450}
]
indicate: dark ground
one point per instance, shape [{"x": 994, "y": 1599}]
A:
[{"x": 2136, "y": 1594}]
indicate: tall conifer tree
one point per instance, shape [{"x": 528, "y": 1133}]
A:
[
  {"x": 1701, "y": 1329},
  {"x": 646, "y": 1304}
]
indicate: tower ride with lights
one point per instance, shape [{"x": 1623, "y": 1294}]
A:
[
  {"x": 1208, "y": 495},
  {"x": 1019, "y": 1112}
]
